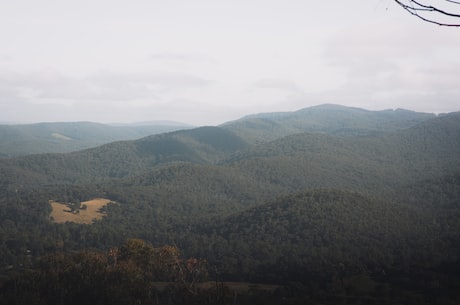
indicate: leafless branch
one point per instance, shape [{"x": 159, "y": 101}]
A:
[{"x": 430, "y": 13}]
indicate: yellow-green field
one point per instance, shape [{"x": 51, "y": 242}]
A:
[{"x": 62, "y": 213}]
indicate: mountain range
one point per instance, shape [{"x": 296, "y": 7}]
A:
[
  {"x": 26, "y": 139},
  {"x": 313, "y": 196}
]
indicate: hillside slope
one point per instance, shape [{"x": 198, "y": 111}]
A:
[
  {"x": 290, "y": 238},
  {"x": 331, "y": 119},
  {"x": 124, "y": 158},
  {"x": 20, "y": 140},
  {"x": 337, "y": 216}
]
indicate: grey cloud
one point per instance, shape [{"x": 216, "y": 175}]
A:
[
  {"x": 148, "y": 83},
  {"x": 180, "y": 57},
  {"x": 7, "y": 93},
  {"x": 102, "y": 86},
  {"x": 363, "y": 53},
  {"x": 441, "y": 76},
  {"x": 393, "y": 68},
  {"x": 386, "y": 43},
  {"x": 5, "y": 57},
  {"x": 434, "y": 102},
  {"x": 418, "y": 98},
  {"x": 277, "y": 83}
]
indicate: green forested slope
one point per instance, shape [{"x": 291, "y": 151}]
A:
[
  {"x": 125, "y": 158},
  {"x": 331, "y": 119},
  {"x": 354, "y": 217},
  {"x": 327, "y": 227}
]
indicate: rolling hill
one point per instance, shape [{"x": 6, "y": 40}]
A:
[
  {"x": 289, "y": 236},
  {"x": 348, "y": 205},
  {"x": 19, "y": 140},
  {"x": 331, "y": 119},
  {"x": 374, "y": 164}
]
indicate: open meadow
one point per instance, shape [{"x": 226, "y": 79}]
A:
[{"x": 62, "y": 213}]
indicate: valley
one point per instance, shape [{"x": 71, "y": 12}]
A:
[{"x": 330, "y": 204}]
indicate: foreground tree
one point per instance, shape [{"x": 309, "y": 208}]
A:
[
  {"x": 136, "y": 273},
  {"x": 444, "y": 13}
]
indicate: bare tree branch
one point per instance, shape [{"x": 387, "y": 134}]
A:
[{"x": 431, "y": 13}]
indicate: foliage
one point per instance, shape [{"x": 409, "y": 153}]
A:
[
  {"x": 127, "y": 276},
  {"x": 330, "y": 119},
  {"x": 353, "y": 217}
]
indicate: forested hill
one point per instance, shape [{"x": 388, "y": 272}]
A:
[
  {"x": 307, "y": 159},
  {"x": 368, "y": 216},
  {"x": 26, "y": 139},
  {"x": 302, "y": 235},
  {"x": 124, "y": 158},
  {"x": 331, "y": 119},
  {"x": 429, "y": 149}
]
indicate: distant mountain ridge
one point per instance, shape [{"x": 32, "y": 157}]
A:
[
  {"x": 328, "y": 118},
  {"x": 309, "y": 158},
  {"x": 234, "y": 143},
  {"x": 323, "y": 196},
  {"x": 20, "y": 140},
  {"x": 26, "y": 139}
]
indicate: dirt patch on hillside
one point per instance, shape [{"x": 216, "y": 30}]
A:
[{"x": 62, "y": 212}]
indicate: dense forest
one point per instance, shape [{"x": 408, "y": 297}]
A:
[{"x": 326, "y": 205}]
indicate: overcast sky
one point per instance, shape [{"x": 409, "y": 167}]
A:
[{"x": 204, "y": 62}]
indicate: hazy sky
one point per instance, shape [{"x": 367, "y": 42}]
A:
[{"x": 206, "y": 62}]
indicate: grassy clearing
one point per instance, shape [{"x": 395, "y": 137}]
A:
[
  {"x": 62, "y": 213},
  {"x": 60, "y": 136}
]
